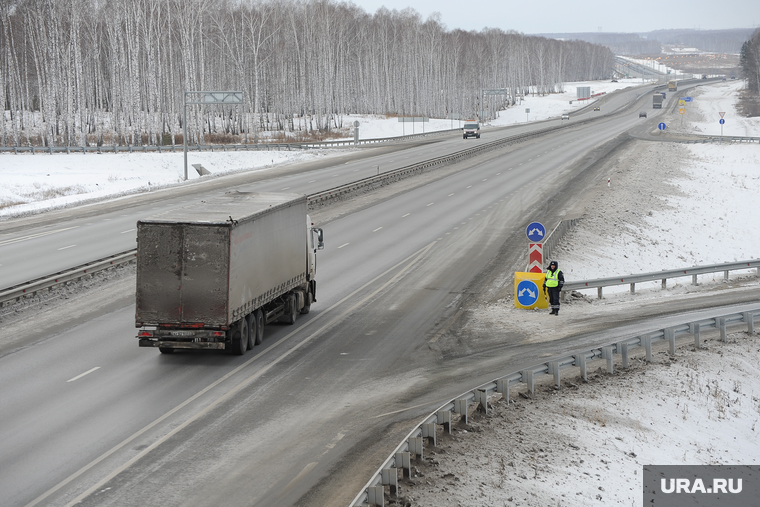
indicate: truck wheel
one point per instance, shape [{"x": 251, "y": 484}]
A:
[
  {"x": 239, "y": 338},
  {"x": 307, "y": 303},
  {"x": 166, "y": 350},
  {"x": 250, "y": 322},
  {"x": 293, "y": 310},
  {"x": 258, "y": 317}
]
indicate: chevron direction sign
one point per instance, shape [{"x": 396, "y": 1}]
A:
[{"x": 536, "y": 257}]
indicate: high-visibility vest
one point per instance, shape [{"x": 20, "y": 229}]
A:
[{"x": 552, "y": 279}]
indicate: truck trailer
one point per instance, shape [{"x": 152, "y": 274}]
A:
[
  {"x": 672, "y": 86},
  {"x": 211, "y": 275},
  {"x": 657, "y": 101}
]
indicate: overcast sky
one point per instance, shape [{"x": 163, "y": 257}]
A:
[{"x": 556, "y": 16}]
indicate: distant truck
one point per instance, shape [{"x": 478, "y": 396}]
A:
[
  {"x": 657, "y": 101},
  {"x": 471, "y": 129},
  {"x": 211, "y": 275},
  {"x": 672, "y": 86}
]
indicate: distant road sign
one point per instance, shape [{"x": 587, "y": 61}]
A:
[
  {"x": 688, "y": 99},
  {"x": 536, "y": 232},
  {"x": 681, "y": 111},
  {"x": 661, "y": 126},
  {"x": 722, "y": 113},
  {"x": 722, "y": 121},
  {"x": 527, "y": 293}
]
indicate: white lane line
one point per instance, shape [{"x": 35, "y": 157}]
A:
[
  {"x": 470, "y": 186},
  {"x": 344, "y": 244},
  {"x": 286, "y": 188},
  {"x": 498, "y": 174},
  {"x": 449, "y": 195},
  {"x": 377, "y": 229},
  {"x": 308, "y": 468},
  {"x": 33, "y": 236},
  {"x": 431, "y": 204},
  {"x": 403, "y": 216},
  {"x": 485, "y": 179},
  {"x": 312, "y": 181},
  {"x": 83, "y": 374},
  {"x": 65, "y": 247},
  {"x": 124, "y": 232}
]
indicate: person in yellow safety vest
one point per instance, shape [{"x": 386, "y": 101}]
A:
[{"x": 553, "y": 282}]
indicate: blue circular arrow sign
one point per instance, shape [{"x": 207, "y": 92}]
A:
[
  {"x": 722, "y": 121},
  {"x": 661, "y": 126},
  {"x": 527, "y": 293},
  {"x": 536, "y": 232}
]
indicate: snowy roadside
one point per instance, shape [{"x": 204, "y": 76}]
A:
[{"x": 667, "y": 206}]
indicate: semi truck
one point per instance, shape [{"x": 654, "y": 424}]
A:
[
  {"x": 672, "y": 86},
  {"x": 211, "y": 275},
  {"x": 657, "y": 101}
]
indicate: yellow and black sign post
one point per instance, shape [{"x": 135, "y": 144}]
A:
[{"x": 529, "y": 293}]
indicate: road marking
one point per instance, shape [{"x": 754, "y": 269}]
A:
[
  {"x": 124, "y": 232},
  {"x": 334, "y": 442},
  {"x": 285, "y": 188},
  {"x": 430, "y": 204},
  {"x": 377, "y": 229},
  {"x": 405, "y": 215},
  {"x": 410, "y": 261},
  {"x": 485, "y": 179},
  {"x": 83, "y": 374},
  {"x": 344, "y": 244},
  {"x": 65, "y": 247},
  {"x": 449, "y": 195},
  {"x": 308, "y": 468},
  {"x": 470, "y": 186},
  {"x": 312, "y": 181},
  {"x": 34, "y": 236},
  {"x": 498, "y": 174}
]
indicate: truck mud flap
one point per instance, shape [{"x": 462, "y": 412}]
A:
[{"x": 183, "y": 345}]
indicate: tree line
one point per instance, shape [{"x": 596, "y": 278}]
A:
[
  {"x": 80, "y": 72},
  {"x": 749, "y": 61}
]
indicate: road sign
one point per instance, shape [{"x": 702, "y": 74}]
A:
[
  {"x": 681, "y": 111},
  {"x": 661, "y": 126},
  {"x": 535, "y": 232},
  {"x": 722, "y": 113},
  {"x": 722, "y": 121},
  {"x": 688, "y": 99},
  {"x": 527, "y": 293},
  {"x": 681, "y": 102},
  {"x": 536, "y": 258}
]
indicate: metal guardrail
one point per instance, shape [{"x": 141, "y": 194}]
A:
[
  {"x": 663, "y": 275},
  {"x": 219, "y": 147},
  {"x": 46, "y": 282},
  {"x": 374, "y": 491},
  {"x": 715, "y": 139}
]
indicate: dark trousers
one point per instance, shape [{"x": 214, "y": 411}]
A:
[{"x": 553, "y": 297}]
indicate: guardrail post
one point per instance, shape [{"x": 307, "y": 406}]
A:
[
  {"x": 527, "y": 377},
  {"x": 694, "y": 279},
  {"x": 390, "y": 478},
  {"x": 554, "y": 370},
  {"x": 749, "y": 319},
  {"x": 376, "y": 496},
  {"x": 664, "y": 283},
  {"x": 647, "y": 341},
  {"x": 428, "y": 431},
  {"x": 404, "y": 462},
  {"x": 725, "y": 276},
  {"x": 443, "y": 417},
  {"x": 502, "y": 386},
  {"x": 460, "y": 407},
  {"x": 481, "y": 398},
  {"x": 670, "y": 335},
  {"x": 599, "y": 293},
  {"x": 608, "y": 354},
  {"x": 720, "y": 322},
  {"x": 580, "y": 361},
  {"x": 694, "y": 329},
  {"x": 415, "y": 446},
  {"x": 623, "y": 349},
  {"x": 633, "y": 288}
]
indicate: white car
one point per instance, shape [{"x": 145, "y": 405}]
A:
[{"x": 565, "y": 116}]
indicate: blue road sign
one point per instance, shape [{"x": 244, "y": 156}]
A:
[
  {"x": 527, "y": 293},
  {"x": 536, "y": 232},
  {"x": 722, "y": 121},
  {"x": 661, "y": 126},
  {"x": 688, "y": 99}
]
